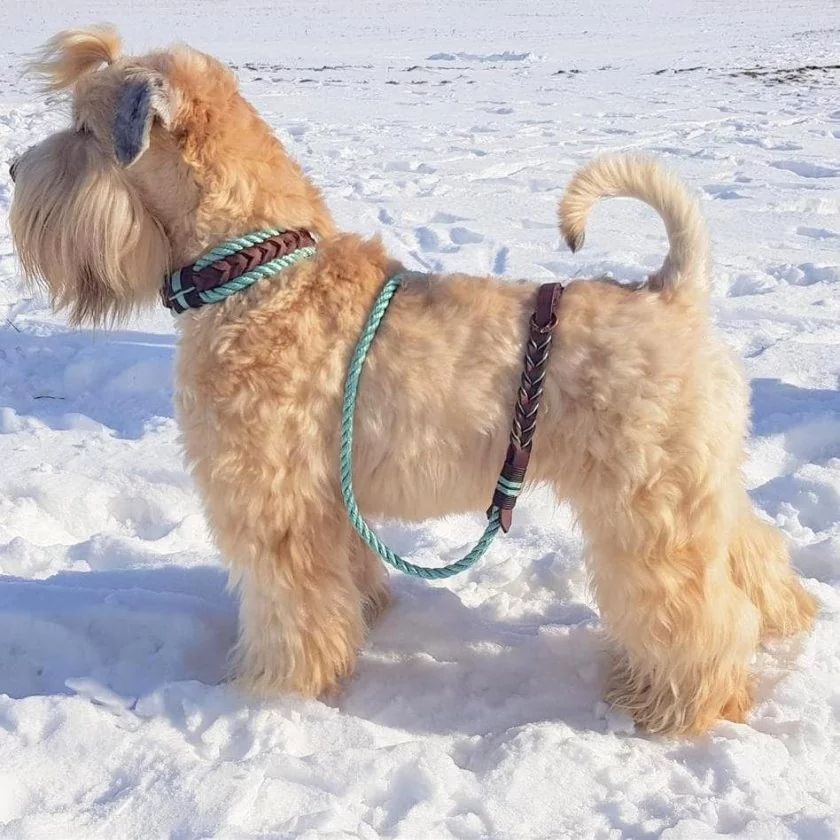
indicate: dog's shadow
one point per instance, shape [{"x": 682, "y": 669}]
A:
[
  {"x": 432, "y": 665},
  {"x": 130, "y": 631},
  {"x": 121, "y": 379},
  {"x": 435, "y": 666}
]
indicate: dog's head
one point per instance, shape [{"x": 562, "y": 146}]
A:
[{"x": 163, "y": 159}]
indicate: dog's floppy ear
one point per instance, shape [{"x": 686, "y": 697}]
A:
[{"x": 140, "y": 102}]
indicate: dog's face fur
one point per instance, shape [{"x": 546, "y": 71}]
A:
[{"x": 164, "y": 158}]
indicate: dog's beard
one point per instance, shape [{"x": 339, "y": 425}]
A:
[{"x": 81, "y": 229}]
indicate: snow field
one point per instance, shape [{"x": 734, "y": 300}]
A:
[{"x": 475, "y": 712}]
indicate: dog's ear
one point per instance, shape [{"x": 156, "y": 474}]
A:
[{"x": 141, "y": 101}]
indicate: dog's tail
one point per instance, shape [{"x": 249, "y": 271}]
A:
[
  {"x": 686, "y": 268},
  {"x": 74, "y": 53}
]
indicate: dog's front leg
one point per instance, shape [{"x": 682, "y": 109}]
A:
[
  {"x": 371, "y": 579},
  {"x": 301, "y": 611}
]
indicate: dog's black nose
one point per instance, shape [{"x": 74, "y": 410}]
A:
[{"x": 13, "y": 168}]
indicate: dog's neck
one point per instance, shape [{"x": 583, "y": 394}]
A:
[
  {"x": 254, "y": 193},
  {"x": 235, "y": 180}
]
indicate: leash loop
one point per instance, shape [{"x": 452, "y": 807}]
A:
[
  {"x": 512, "y": 476},
  {"x": 351, "y": 392}
]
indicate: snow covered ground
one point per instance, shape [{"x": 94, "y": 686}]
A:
[{"x": 451, "y": 129}]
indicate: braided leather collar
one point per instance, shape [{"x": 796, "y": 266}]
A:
[{"x": 200, "y": 283}]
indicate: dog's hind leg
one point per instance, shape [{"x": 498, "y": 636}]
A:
[
  {"x": 301, "y": 611},
  {"x": 684, "y": 632},
  {"x": 760, "y": 563}
]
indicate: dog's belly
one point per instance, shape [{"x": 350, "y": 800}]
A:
[
  {"x": 419, "y": 479},
  {"x": 437, "y": 396}
]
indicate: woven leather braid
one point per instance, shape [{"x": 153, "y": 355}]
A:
[
  {"x": 235, "y": 265},
  {"x": 530, "y": 392},
  {"x": 512, "y": 477}
]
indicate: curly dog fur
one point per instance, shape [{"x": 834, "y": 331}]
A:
[{"x": 642, "y": 427}]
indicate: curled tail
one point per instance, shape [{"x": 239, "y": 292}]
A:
[{"x": 686, "y": 268}]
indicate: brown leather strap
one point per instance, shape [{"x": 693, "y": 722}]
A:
[
  {"x": 512, "y": 477},
  {"x": 544, "y": 318}
]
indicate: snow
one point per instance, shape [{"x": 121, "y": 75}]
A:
[{"x": 451, "y": 129}]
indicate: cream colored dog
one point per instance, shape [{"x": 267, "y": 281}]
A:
[{"x": 642, "y": 426}]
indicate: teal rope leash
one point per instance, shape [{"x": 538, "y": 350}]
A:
[{"x": 351, "y": 391}]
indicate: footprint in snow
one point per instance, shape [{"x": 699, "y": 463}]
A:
[
  {"x": 463, "y": 236},
  {"x": 752, "y": 283},
  {"x": 500, "y": 261},
  {"x": 429, "y": 241},
  {"x": 805, "y": 169},
  {"x": 805, "y": 274},
  {"x": 722, "y": 191},
  {"x": 817, "y": 233}
]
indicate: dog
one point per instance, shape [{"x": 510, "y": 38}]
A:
[{"x": 644, "y": 411}]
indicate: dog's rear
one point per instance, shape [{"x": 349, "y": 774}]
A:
[
  {"x": 686, "y": 268},
  {"x": 688, "y": 588}
]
